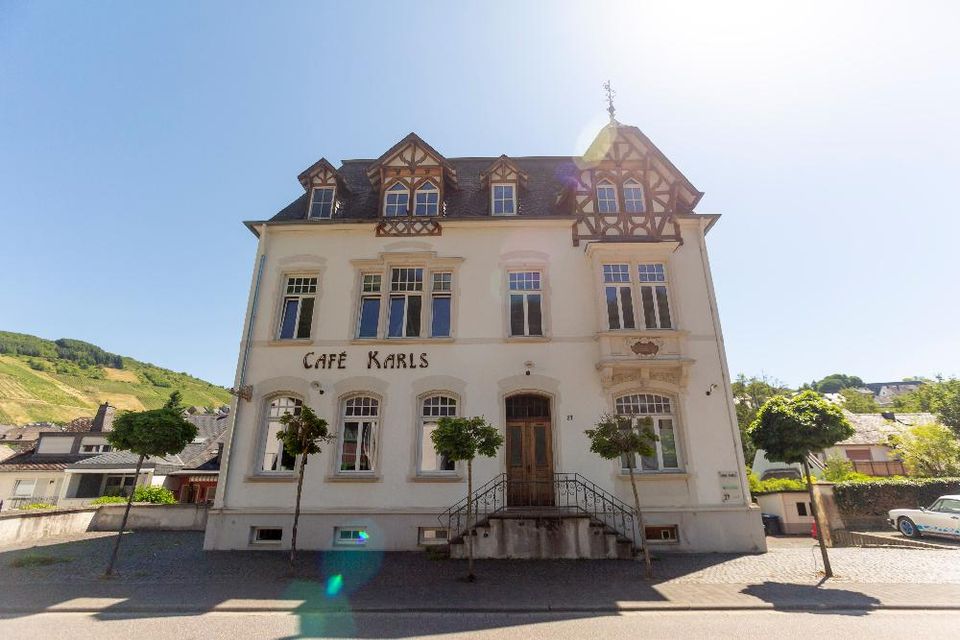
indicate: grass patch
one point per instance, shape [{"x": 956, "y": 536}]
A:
[{"x": 37, "y": 560}]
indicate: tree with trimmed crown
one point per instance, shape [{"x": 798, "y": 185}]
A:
[
  {"x": 464, "y": 439},
  {"x": 791, "y": 429},
  {"x": 617, "y": 437},
  {"x": 303, "y": 435},
  {"x": 157, "y": 432}
]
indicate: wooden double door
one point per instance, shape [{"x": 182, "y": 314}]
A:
[{"x": 529, "y": 451}]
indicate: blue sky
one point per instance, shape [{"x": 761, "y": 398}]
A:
[{"x": 134, "y": 138}]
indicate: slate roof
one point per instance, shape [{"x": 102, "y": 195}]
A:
[
  {"x": 547, "y": 177},
  {"x": 873, "y": 428},
  {"x": 30, "y": 461},
  {"x": 208, "y": 425},
  {"x": 16, "y": 435}
]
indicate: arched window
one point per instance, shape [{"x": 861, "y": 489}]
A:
[
  {"x": 427, "y": 200},
  {"x": 360, "y": 424},
  {"x": 275, "y": 457},
  {"x": 606, "y": 197},
  {"x": 432, "y": 408},
  {"x": 397, "y": 200},
  {"x": 632, "y": 196},
  {"x": 660, "y": 410}
]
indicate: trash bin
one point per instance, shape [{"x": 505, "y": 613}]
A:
[{"x": 771, "y": 524}]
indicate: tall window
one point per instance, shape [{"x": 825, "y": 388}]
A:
[
  {"x": 321, "y": 202},
  {"x": 632, "y": 196},
  {"x": 606, "y": 197},
  {"x": 526, "y": 297},
  {"x": 369, "y": 322},
  {"x": 298, "y": 302},
  {"x": 658, "y": 409},
  {"x": 441, "y": 290},
  {"x": 619, "y": 296},
  {"x": 275, "y": 457},
  {"x": 432, "y": 409},
  {"x": 427, "y": 200},
  {"x": 653, "y": 294},
  {"x": 360, "y": 423},
  {"x": 406, "y": 299},
  {"x": 504, "y": 199},
  {"x": 397, "y": 200}
]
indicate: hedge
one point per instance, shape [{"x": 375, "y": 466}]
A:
[{"x": 867, "y": 503}]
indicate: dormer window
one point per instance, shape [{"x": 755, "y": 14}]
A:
[
  {"x": 321, "y": 202},
  {"x": 397, "y": 201},
  {"x": 606, "y": 197},
  {"x": 427, "y": 200},
  {"x": 504, "y": 197},
  {"x": 632, "y": 196}
]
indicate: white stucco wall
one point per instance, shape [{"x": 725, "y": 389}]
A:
[
  {"x": 481, "y": 365},
  {"x": 48, "y": 484}
]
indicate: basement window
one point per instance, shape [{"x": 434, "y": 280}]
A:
[
  {"x": 668, "y": 534},
  {"x": 350, "y": 536},
  {"x": 431, "y": 536},
  {"x": 266, "y": 535},
  {"x": 801, "y": 508}
]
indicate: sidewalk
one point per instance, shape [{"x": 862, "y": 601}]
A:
[{"x": 169, "y": 573}]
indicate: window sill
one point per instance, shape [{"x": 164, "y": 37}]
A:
[
  {"x": 452, "y": 477},
  {"x": 642, "y": 333},
  {"x": 653, "y": 476},
  {"x": 280, "y": 477},
  {"x": 527, "y": 339},
  {"x": 292, "y": 342},
  {"x": 343, "y": 477},
  {"x": 396, "y": 341}
]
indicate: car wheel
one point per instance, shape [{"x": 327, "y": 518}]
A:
[{"x": 908, "y": 528}]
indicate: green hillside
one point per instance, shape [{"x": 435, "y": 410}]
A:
[{"x": 59, "y": 380}]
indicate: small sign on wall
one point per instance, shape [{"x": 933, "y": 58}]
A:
[{"x": 730, "y": 486}]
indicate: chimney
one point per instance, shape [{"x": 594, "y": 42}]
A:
[
  {"x": 103, "y": 421},
  {"x": 888, "y": 415}
]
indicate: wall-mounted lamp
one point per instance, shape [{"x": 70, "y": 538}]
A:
[
  {"x": 316, "y": 385},
  {"x": 711, "y": 388},
  {"x": 529, "y": 365}
]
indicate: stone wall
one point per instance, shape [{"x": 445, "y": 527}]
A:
[
  {"x": 21, "y": 527},
  {"x": 178, "y": 517}
]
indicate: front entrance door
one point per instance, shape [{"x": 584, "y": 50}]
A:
[{"x": 529, "y": 452}]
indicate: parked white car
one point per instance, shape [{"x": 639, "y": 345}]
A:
[{"x": 942, "y": 518}]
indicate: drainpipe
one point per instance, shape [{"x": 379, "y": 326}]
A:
[{"x": 220, "y": 501}]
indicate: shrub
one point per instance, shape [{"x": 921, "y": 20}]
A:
[
  {"x": 867, "y": 503},
  {"x": 154, "y": 495},
  {"x": 35, "y": 506},
  {"x": 773, "y": 485},
  {"x": 839, "y": 469},
  {"x": 109, "y": 500}
]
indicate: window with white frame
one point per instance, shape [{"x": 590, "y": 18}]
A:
[
  {"x": 618, "y": 295},
  {"x": 504, "y": 199},
  {"x": 653, "y": 296},
  {"x": 432, "y": 408},
  {"x": 406, "y": 302},
  {"x": 350, "y": 536},
  {"x": 321, "y": 202},
  {"x": 24, "y": 488},
  {"x": 360, "y": 422},
  {"x": 368, "y": 324},
  {"x": 397, "y": 200},
  {"x": 119, "y": 485},
  {"x": 426, "y": 201},
  {"x": 95, "y": 448},
  {"x": 632, "y": 196},
  {"x": 296, "y": 315},
  {"x": 266, "y": 535},
  {"x": 606, "y": 197},
  {"x": 275, "y": 457},
  {"x": 526, "y": 303},
  {"x": 660, "y": 411},
  {"x": 440, "y": 303}
]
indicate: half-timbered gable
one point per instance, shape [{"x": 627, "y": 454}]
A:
[{"x": 503, "y": 181}]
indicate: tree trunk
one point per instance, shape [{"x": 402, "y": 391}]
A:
[
  {"x": 123, "y": 523},
  {"x": 470, "y": 576},
  {"x": 296, "y": 511},
  {"x": 827, "y": 569},
  {"x": 647, "y": 567}
]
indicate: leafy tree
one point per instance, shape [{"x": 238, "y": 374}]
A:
[
  {"x": 928, "y": 450},
  {"x": 839, "y": 469},
  {"x": 157, "y": 432},
  {"x": 749, "y": 394},
  {"x": 790, "y": 429},
  {"x": 941, "y": 397},
  {"x": 834, "y": 382},
  {"x": 465, "y": 439},
  {"x": 302, "y": 435},
  {"x": 616, "y": 436},
  {"x": 857, "y": 402}
]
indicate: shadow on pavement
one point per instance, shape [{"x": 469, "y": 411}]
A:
[{"x": 812, "y": 598}]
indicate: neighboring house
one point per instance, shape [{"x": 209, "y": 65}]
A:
[
  {"x": 868, "y": 448},
  {"x": 14, "y": 439},
  {"x": 541, "y": 292},
  {"x": 70, "y": 468},
  {"x": 884, "y": 392}
]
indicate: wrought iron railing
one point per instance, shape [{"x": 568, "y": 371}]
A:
[
  {"x": 19, "y": 502},
  {"x": 566, "y": 493}
]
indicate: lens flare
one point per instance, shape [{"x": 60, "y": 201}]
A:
[{"x": 334, "y": 585}]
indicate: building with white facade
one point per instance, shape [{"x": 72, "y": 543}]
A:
[{"x": 539, "y": 292}]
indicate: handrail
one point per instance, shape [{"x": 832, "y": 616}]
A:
[{"x": 570, "y": 492}]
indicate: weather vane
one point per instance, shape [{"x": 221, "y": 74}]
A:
[{"x": 610, "y": 93}]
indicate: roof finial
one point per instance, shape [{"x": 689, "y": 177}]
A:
[{"x": 610, "y": 93}]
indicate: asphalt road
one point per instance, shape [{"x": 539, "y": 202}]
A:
[{"x": 875, "y": 625}]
